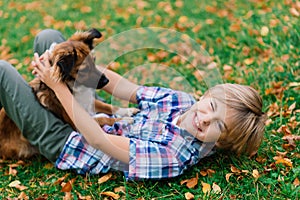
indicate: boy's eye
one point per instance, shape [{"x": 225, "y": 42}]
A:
[
  {"x": 212, "y": 105},
  {"x": 222, "y": 126}
]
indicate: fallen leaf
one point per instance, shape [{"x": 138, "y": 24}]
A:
[
  {"x": 235, "y": 170},
  {"x": 205, "y": 187},
  {"x": 68, "y": 186},
  {"x": 249, "y": 61},
  {"x": 235, "y": 27},
  {"x": 60, "y": 180},
  {"x": 83, "y": 197},
  {"x": 120, "y": 189},
  {"x": 190, "y": 183},
  {"x": 189, "y": 196},
  {"x": 296, "y": 182},
  {"x": 23, "y": 195},
  {"x": 105, "y": 178},
  {"x": 111, "y": 194},
  {"x": 264, "y": 31},
  {"x": 14, "y": 183},
  {"x": 68, "y": 196},
  {"x": 216, "y": 188},
  {"x": 294, "y": 12},
  {"x": 12, "y": 171},
  {"x": 227, "y": 176},
  {"x": 285, "y": 161},
  {"x": 255, "y": 174},
  {"x": 17, "y": 184}
]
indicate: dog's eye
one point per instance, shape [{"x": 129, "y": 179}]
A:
[{"x": 83, "y": 69}]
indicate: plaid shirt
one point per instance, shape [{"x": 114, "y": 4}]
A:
[{"x": 158, "y": 148}]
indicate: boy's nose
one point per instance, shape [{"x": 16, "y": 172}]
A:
[{"x": 205, "y": 122}]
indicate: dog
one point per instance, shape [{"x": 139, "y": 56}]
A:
[{"x": 74, "y": 65}]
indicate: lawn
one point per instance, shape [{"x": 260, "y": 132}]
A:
[{"x": 252, "y": 42}]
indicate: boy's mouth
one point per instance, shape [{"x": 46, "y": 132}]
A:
[{"x": 196, "y": 123}]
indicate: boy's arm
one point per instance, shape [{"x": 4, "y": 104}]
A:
[
  {"x": 113, "y": 145},
  {"x": 119, "y": 86}
]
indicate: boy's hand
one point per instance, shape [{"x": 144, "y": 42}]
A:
[{"x": 44, "y": 71}]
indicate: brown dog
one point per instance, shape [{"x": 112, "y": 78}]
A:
[{"x": 73, "y": 64}]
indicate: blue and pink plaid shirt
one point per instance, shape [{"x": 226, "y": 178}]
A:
[{"x": 158, "y": 147}]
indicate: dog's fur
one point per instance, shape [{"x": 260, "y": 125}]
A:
[{"x": 71, "y": 60}]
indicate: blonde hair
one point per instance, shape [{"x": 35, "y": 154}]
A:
[{"x": 245, "y": 132}]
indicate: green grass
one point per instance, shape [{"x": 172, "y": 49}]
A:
[{"x": 230, "y": 32}]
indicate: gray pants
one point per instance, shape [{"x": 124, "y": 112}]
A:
[{"x": 38, "y": 125}]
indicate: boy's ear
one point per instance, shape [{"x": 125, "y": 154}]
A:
[{"x": 87, "y": 37}]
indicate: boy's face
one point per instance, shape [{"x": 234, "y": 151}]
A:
[{"x": 206, "y": 119}]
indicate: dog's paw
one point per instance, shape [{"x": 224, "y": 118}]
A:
[
  {"x": 129, "y": 120},
  {"x": 127, "y": 112}
]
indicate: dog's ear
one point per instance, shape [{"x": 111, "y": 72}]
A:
[
  {"x": 66, "y": 64},
  {"x": 87, "y": 37}
]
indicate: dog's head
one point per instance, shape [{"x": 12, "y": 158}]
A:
[{"x": 72, "y": 60}]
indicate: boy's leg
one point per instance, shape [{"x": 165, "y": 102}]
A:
[
  {"x": 38, "y": 125},
  {"x": 45, "y": 38}
]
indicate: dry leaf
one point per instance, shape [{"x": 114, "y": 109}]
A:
[
  {"x": 235, "y": 27},
  {"x": 85, "y": 9},
  {"x": 296, "y": 182},
  {"x": 190, "y": 183},
  {"x": 17, "y": 184},
  {"x": 294, "y": 12},
  {"x": 227, "y": 176},
  {"x": 203, "y": 173},
  {"x": 249, "y": 61},
  {"x": 14, "y": 183},
  {"x": 105, "y": 178},
  {"x": 120, "y": 189},
  {"x": 111, "y": 194},
  {"x": 68, "y": 196},
  {"x": 255, "y": 173},
  {"x": 68, "y": 186},
  {"x": 264, "y": 31},
  {"x": 23, "y": 195},
  {"x": 235, "y": 170},
  {"x": 205, "y": 187},
  {"x": 285, "y": 161},
  {"x": 12, "y": 171},
  {"x": 83, "y": 197},
  {"x": 216, "y": 188},
  {"x": 60, "y": 180},
  {"x": 189, "y": 196}
]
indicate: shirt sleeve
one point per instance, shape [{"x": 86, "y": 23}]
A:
[{"x": 151, "y": 160}]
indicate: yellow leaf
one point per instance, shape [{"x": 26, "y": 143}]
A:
[
  {"x": 216, "y": 188},
  {"x": 264, "y": 31},
  {"x": 255, "y": 174},
  {"x": 111, "y": 194},
  {"x": 285, "y": 161},
  {"x": 188, "y": 196},
  {"x": 249, "y": 61},
  {"x": 205, "y": 187},
  {"x": 105, "y": 178},
  {"x": 183, "y": 19},
  {"x": 14, "y": 183},
  {"x": 227, "y": 176}
]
